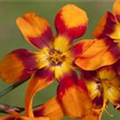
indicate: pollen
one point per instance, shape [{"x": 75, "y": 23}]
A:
[{"x": 56, "y": 57}]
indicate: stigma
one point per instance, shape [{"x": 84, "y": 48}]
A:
[{"x": 56, "y": 57}]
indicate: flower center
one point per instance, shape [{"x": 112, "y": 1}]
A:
[
  {"x": 107, "y": 76},
  {"x": 56, "y": 57}
]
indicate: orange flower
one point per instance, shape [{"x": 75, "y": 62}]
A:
[
  {"x": 54, "y": 59},
  {"x": 16, "y": 116},
  {"x": 100, "y": 63},
  {"x": 51, "y": 110},
  {"x": 22, "y": 118},
  {"x": 106, "y": 47},
  {"x": 104, "y": 86}
]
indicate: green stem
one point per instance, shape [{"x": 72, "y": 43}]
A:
[{"x": 11, "y": 87}]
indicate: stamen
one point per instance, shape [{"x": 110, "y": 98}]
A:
[
  {"x": 117, "y": 107},
  {"x": 110, "y": 114},
  {"x": 56, "y": 57}
]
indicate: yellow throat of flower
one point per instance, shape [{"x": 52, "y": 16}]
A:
[
  {"x": 116, "y": 33},
  {"x": 55, "y": 55}
]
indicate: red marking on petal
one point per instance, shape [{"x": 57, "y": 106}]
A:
[
  {"x": 68, "y": 80},
  {"x": 101, "y": 53},
  {"x": 51, "y": 109},
  {"x": 17, "y": 65},
  {"x": 81, "y": 46},
  {"x": 43, "y": 40},
  {"x": 35, "y": 29},
  {"x": 28, "y": 60},
  {"x": 71, "y": 25},
  {"x": 116, "y": 9},
  {"x": 118, "y": 17},
  {"x": 71, "y": 94},
  {"x": 105, "y": 26},
  {"x": 10, "y": 118}
]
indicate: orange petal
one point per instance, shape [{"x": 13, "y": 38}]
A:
[
  {"x": 7, "y": 118},
  {"x": 35, "y": 29},
  {"x": 33, "y": 118},
  {"x": 71, "y": 21},
  {"x": 81, "y": 46},
  {"x": 113, "y": 94},
  {"x": 17, "y": 65},
  {"x": 71, "y": 93},
  {"x": 100, "y": 54},
  {"x": 93, "y": 115},
  {"x": 105, "y": 26},
  {"x": 116, "y": 9},
  {"x": 23, "y": 118},
  {"x": 95, "y": 88},
  {"x": 41, "y": 79},
  {"x": 51, "y": 109}
]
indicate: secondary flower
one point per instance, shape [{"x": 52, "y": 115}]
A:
[
  {"x": 104, "y": 86},
  {"x": 103, "y": 83},
  {"x": 54, "y": 59},
  {"x": 18, "y": 117},
  {"x": 51, "y": 110},
  {"x": 13, "y": 115},
  {"x": 106, "y": 47}
]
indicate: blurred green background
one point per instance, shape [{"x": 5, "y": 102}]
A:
[{"x": 11, "y": 38}]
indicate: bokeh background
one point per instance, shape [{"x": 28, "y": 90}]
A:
[{"x": 11, "y": 38}]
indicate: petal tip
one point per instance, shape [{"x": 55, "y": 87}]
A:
[{"x": 71, "y": 19}]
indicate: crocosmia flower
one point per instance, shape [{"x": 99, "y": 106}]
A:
[
  {"x": 106, "y": 47},
  {"x": 22, "y": 118},
  {"x": 104, "y": 86},
  {"x": 54, "y": 59},
  {"x": 13, "y": 115},
  {"x": 101, "y": 63}
]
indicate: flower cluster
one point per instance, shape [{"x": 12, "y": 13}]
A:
[{"x": 58, "y": 57}]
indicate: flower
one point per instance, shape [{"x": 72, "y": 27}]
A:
[
  {"x": 100, "y": 63},
  {"x": 22, "y": 118},
  {"x": 106, "y": 47},
  {"x": 54, "y": 59},
  {"x": 104, "y": 86},
  {"x": 51, "y": 110},
  {"x": 16, "y": 116}
]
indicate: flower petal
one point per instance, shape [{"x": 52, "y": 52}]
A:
[
  {"x": 94, "y": 88},
  {"x": 71, "y": 21},
  {"x": 116, "y": 9},
  {"x": 105, "y": 26},
  {"x": 94, "y": 115},
  {"x": 71, "y": 93},
  {"x": 62, "y": 43},
  {"x": 17, "y": 65},
  {"x": 35, "y": 29},
  {"x": 41, "y": 79},
  {"x": 51, "y": 109},
  {"x": 23, "y": 118},
  {"x": 7, "y": 118},
  {"x": 117, "y": 66},
  {"x": 33, "y": 118},
  {"x": 101, "y": 53},
  {"x": 113, "y": 94},
  {"x": 81, "y": 46}
]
